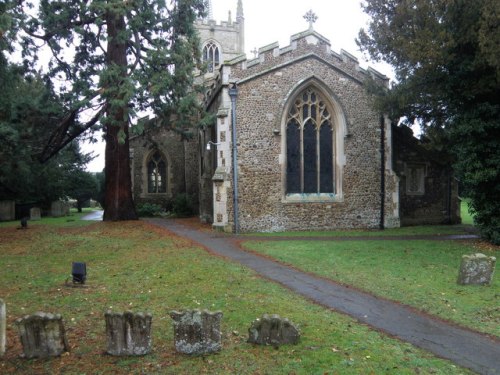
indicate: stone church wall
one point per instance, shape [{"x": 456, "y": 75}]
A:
[
  {"x": 182, "y": 171},
  {"x": 264, "y": 85}
]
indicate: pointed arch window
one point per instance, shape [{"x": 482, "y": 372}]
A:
[
  {"x": 310, "y": 140},
  {"x": 157, "y": 173},
  {"x": 211, "y": 56}
]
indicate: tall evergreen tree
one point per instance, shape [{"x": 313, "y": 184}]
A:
[
  {"x": 111, "y": 61},
  {"x": 446, "y": 55}
]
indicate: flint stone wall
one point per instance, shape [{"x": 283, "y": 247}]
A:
[
  {"x": 42, "y": 335},
  {"x": 128, "y": 333},
  {"x": 476, "y": 269},
  {"x": 197, "y": 332},
  {"x": 273, "y": 330}
]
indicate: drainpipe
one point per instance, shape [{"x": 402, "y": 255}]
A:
[
  {"x": 382, "y": 172},
  {"x": 233, "y": 94}
]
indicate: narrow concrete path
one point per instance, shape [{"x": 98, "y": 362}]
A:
[
  {"x": 94, "y": 215},
  {"x": 466, "y": 348}
]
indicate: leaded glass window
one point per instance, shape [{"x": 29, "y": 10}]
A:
[
  {"x": 211, "y": 56},
  {"x": 157, "y": 173},
  {"x": 310, "y": 144}
]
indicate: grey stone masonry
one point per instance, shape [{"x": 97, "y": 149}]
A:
[
  {"x": 273, "y": 330},
  {"x": 35, "y": 213},
  {"x": 3, "y": 324},
  {"x": 128, "y": 333},
  {"x": 476, "y": 269},
  {"x": 197, "y": 332},
  {"x": 42, "y": 335}
]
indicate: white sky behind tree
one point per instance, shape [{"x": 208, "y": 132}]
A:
[{"x": 269, "y": 21}]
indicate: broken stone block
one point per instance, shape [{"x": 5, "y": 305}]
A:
[
  {"x": 197, "y": 332},
  {"x": 3, "y": 326},
  {"x": 128, "y": 333},
  {"x": 273, "y": 330},
  {"x": 42, "y": 335},
  {"x": 476, "y": 269}
]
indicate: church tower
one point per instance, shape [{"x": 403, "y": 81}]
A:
[{"x": 223, "y": 41}]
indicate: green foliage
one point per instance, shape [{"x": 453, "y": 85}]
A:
[
  {"x": 182, "y": 205},
  {"x": 446, "y": 59},
  {"x": 28, "y": 108},
  {"x": 149, "y": 209},
  {"x": 127, "y": 57}
]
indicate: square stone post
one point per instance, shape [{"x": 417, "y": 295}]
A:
[{"x": 3, "y": 327}]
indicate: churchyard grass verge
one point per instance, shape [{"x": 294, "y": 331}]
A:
[
  {"x": 418, "y": 273},
  {"x": 134, "y": 266}
]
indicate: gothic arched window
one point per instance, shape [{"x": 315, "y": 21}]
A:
[
  {"x": 211, "y": 56},
  {"x": 157, "y": 173},
  {"x": 310, "y": 140}
]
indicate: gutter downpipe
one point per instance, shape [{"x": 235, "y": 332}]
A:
[
  {"x": 382, "y": 172},
  {"x": 233, "y": 94}
]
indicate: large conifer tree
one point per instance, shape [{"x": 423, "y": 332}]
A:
[{"x": 112, "y": 61}]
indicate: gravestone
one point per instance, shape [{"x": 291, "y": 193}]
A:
[
  {"x": 3, "y": 326},
  {"x": 273, "y": 330},
  {"x": 7, "y": 210},
  {"x": 59, "y": 208},
  {"x": 476, "y": 269},
  {"x": 197, "y": 332},
  {"x": 42, "y": 335},
  {"x": 128, "y": 333},
  {"x": 35, "y": 213}
]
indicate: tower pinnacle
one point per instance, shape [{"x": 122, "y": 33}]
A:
[{"x": 210, "y": 14}]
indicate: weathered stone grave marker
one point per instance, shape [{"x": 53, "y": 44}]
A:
[
  {"x": 273, "y": 330},
  {"x": 197, "y": 332},
  {"x": 42, "y": 335},
  {"x": 3, "y": 326},
  {"x": 128, "y": 333},
  {"x": 476, "y": 269},
  {"x": 35, "y": 213},
  {"x": 7, "y": 210}
]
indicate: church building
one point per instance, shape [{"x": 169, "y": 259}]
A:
[{"x": 296, "y": 144}]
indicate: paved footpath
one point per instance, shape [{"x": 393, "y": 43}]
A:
[{"x": 475, "y": 351}]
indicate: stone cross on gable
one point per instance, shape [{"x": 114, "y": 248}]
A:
[
  {"x": 255, "y": 52},
  {"x": 311, "y": 18}
]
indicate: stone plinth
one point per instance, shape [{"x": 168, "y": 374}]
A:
[
  {"x": 3, "y": 326},
  {"x": 273, "y": 330},
  {"x": 476, "y": 269},
  {"x": 42, "y": 335},
  {"x": 128, "y": 333},
  {"x": 197, "y": 332}
]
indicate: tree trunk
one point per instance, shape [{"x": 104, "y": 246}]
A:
[{"x": 119, "y": 204}]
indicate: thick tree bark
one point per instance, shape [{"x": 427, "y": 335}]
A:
[{"x": 118, "y": 201}]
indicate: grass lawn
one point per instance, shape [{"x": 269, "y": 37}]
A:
[
  {"x": 418, "y": 273},
  {"x": 135, "y": 266}
]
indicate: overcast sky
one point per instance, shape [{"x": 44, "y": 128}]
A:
[{"x": 269, "y": 21}]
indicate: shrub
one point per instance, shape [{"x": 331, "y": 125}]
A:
[
  {"x": 182, "y": 206},
  {"x": 149, "y": 209}
]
